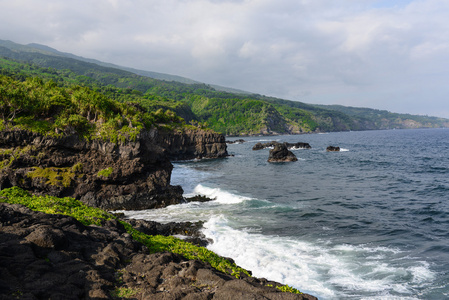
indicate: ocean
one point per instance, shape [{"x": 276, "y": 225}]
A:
[{"x": 368, "y": 222}]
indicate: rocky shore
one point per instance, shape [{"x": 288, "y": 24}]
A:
[{"x": 45, "y": 256}]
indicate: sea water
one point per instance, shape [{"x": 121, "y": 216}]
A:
[{"x": 368, "y": 222}]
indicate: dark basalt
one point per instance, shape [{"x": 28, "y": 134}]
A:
[
  {"x": 332, "y": 149},
  {"x": 299, "y": 145},
  {"x": 239, "y": 141},
  {"x": 56, "y": 257},
  {"x": 140, "y": 171},
  {"x": 280, "y": 153}
]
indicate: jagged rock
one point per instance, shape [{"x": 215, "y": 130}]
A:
[
  {"x": 95, "y": 262},
  {"x": 332, "y": 149},
  {"x": 260, "y": 146},
  {"x": 192, "y": 144},
  {"x": 299, "y": 145},
  {"x": 132, "y": 175},
  {"x": 280, "y": 153},
  {"x": 239, "y": 141}
]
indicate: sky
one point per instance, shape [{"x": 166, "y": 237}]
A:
[{"x": 391, "y": 55}]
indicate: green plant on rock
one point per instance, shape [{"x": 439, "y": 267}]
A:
[
  {"x": 105, "y": 172},
  {"x": 125, "y": 292},
  {"x": 53, "y": 176},
  {"x": 90, "y": 215}
]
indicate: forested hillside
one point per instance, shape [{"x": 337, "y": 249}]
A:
[{"x": 199, "y": 104}]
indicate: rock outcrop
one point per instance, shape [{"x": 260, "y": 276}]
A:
[
  {"x": 192, "y": 144},
  {"x": 238, "y": 141},
  {"x": 280, "y": 153},
  {"x": 332, "y": 149},
  {"x": 131, "y": 175},
  {"x": 261, "y": 146},
  {"x": 299, "y": 145},
  {"x": 46, "y": 256}
]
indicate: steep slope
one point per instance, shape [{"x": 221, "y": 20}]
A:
[
  {"x": 201, "y": 104},
  {"x": 76, "y": 142}
]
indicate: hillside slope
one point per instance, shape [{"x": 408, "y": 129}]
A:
[{"x": 201, "y": 104}]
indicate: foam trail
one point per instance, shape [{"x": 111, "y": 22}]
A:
[
  {"x": 219, "y": 195},
  {"x": 329, "y": 272}
]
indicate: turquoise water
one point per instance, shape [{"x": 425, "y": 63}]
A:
[{"x": 369, "y": 222}]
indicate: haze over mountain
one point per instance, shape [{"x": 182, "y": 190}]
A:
[{"x": 373, "y": 53}]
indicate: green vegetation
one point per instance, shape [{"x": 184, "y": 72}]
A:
[
  {"x": 54, "y": 176},
  {"x": 226, "y": 112},
  {"x": 105, "y": 172},
  {"x": 43, "y": 107},
  {"x": 8, "y": 156},
  {"x": 90, "y": 215}
]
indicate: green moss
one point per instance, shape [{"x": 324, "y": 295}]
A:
[
  {"x": 10, "y": 155},
  {"x": 90, "y": 215},
  {"x": 105, "y": 172},
  {"x": 125, "y": 292},
  {"x": 53, "y": 176},
  {"x": 77, "y": 168}
]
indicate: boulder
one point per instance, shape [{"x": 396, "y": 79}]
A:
[
  {"x": 260, "y": 146},
  {"x": 280, "y": 153},
  {"x": 299, "y": 145},
  {"x": 239, "y": 141},
  {"x": 332, "y": 149}
]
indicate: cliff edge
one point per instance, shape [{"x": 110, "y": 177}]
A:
[{"x": 112, "y": 176}]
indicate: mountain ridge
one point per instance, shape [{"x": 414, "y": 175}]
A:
[{"x": 234, "y": 114}]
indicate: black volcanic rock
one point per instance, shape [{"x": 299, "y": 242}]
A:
[
  {"x": 260, "y": 146},
  {"x": 299, "y": 145},
  {"x": 131, "y": 175},
  {"x": 280, "y": 153},
  {"x": 46, "y": 256},
  {"x": 332, "y": 149},
  {"x": 239, "y": 141}
]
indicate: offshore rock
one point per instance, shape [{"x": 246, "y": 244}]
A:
[
  {"x": 238, "y": 141},
  {"x": 261, "y": 146},
  {"x": 298, "y": 145},
  {"x": 332, "y": 149},
  {"x": 280, "y": 153},
  {"x": 132, "y": 175},
  {"x": 45, "y": 256}
]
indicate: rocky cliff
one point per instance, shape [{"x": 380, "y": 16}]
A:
[
  {"x": 132, "y": 175},
  {"x": 191, "y": 144},
  {"x": 45, "y": 256}
]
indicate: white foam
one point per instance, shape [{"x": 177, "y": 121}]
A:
[
  {"x": 326, "y": 271},
  {"x": 344, "y": 150},
  {"x": 220, "y": 195}
]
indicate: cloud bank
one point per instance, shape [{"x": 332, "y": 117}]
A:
[{"x": 370, "y": 53}]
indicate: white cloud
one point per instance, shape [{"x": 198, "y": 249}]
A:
[{"x": 375, "y": 53}]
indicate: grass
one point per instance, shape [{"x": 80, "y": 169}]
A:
[{"x": 157, "y": 243}]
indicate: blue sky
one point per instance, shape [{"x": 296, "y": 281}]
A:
[{"x": 391, "y": 55}]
